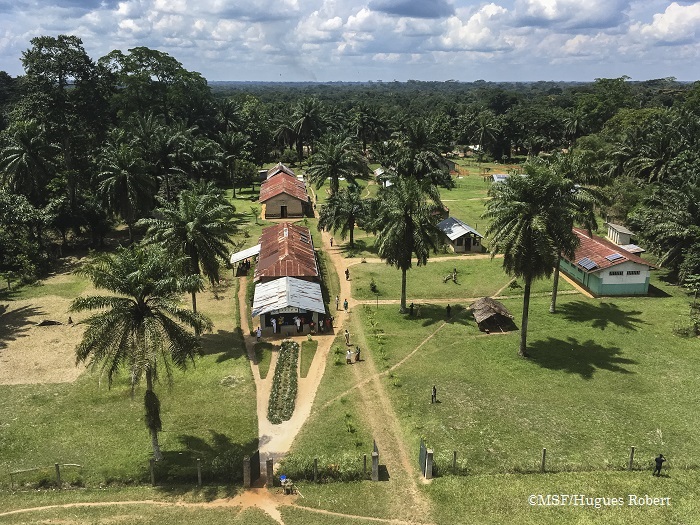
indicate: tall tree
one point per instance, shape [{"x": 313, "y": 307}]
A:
[
  {"x": 124, "y": 183},
  {"x": 198, "y": 226},
  {"x": 342, "y": 211},
  {"x": 142, "y": 327},
  {"x": 336, "y": 157},
  {"x": 527, "y": 228},
  {"x": 308, "y": 122},
  {"x": 408, "y": 212}
]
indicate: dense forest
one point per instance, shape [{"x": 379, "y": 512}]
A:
[{"x": 87, "y": 144}]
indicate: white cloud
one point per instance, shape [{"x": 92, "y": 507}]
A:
[
  {"x": 484, "y": 30},
  {"x": 571, "y": 14},
  {"x": 677, "y": 24}
]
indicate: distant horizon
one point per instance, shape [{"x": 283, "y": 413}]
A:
[{"x": 343, "y": 41}]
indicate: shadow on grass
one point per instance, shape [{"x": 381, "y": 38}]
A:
[
  {"x": 657, "y": 292},
  {"x": 13, "y": 323},
  {"x": 359, "y": 246},
  {"x": 582, "y": 359},
  {"x": 601, "y": 315},
  {"x": 227, "y": 345},
  {"x": 429, "y": 314},
  {"x": 221, "y": 463}
]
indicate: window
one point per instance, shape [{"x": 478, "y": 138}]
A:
[
  {"x": 459, "y": 242},
  {"x": 616, "y": 273},
  {"x": 633, "y": 272}
]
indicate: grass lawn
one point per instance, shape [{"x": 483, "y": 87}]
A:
[
  {"x": 475, "y": 278},
  {"x": 102, "y": 428},
  {"x": 263, "y": 355},
  {"x": 603, "y": 375},
  {"x": 308, "y": 351}
]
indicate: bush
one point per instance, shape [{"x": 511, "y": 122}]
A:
[
  {"x": 228, "y": 466},
  {"x": 284, "y": 384},
  {"x": 344, "y": 467}
]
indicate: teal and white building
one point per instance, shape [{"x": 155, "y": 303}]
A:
[{"x": 605, "y": 268}]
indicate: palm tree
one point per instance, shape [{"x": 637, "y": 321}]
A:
[
  {"x": 407, "y": 223},
  {"x": 486, "y": 127},
  {"x": 342, "y": 211},
  {"x": 125, "y": 183},
  {"x": 235, "y": 146},
  {"x": 307, "y": 123},
  {"x": 197, "y": 227},
  {"x": 336, "y": 157},
  {"x": 578, "y": 203},
  {"x": 527, "y": 228},
  {"x": 142, "y": 327},
  {"x": 26, "y": 162}
]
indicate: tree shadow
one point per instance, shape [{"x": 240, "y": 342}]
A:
[
  {"x": 221, "y": 463},
  {"x": 429, "y": 314},
  {"x": 582, "y": 359},
  {"x": 226, "y": 344},
  {"x": 601, "y": 315},
  {"x": 14, "y": 323}
]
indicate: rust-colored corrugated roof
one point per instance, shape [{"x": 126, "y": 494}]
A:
[
  {"x": 601, "y": 253},
  {"x": 279, "y": 168},
  {"x": 283, "y": 183},
  {"x": 286, "y": 250}
]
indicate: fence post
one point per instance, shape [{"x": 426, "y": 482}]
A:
[
  {"x": 375, "y": 466},
  {"x": 631, "y": 459},
  {"x": 544, "y": 457},
  {"x": 315, "y": 470},
  {"x": 429, "y": 464},
  {"x": 454, "y": 462},
  {"x": 246, "y": 472},
  {"x": 58, "y": 475},
  {"x": 364, "y": 465},
  {"x": 270, "y": 468},
  {"x": 199, "y": 472},
  {"x": 151, "y": 466}
]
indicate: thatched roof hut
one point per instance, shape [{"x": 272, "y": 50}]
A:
[{"x": 492, "y": 315}]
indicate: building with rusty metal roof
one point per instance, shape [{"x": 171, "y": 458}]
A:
[{"x": 286, "y": 250}]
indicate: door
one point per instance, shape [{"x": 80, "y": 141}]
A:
[{"x": 283, "y": 212}]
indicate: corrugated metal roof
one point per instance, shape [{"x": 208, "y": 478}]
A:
[
  {"x": 279, "y": 168},
  {"x": 286, "y": 292},
  {"x": 454, "y": 228},
  {"x": 286, "y": 250},
  {"x": 283, "y": 183},
  {"x": 245, "y": 254},
  {"x": 597, "y": 250},
  {"x": 619, "y": 228},
  {"x": 632, "y": 248}
]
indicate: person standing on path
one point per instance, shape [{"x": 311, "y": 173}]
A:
[
  {"x": 348, "y": 357},
  {"x": 274, "y": 325},
  {"x": 345, "y": 305},
  {"x": 258, "y": 334},
  {"x": 337, "y": 302},
  {"x": 659, "y": 460},
  {"x": 347, "y": 337},
  {"x": 297, "y": 321},
  {"x": 347, "y": 274},
  {"x": 331, "y": 242}
]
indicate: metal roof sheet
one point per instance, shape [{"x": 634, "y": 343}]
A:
[
  {"x": 245, "y": 254},
  {"x": 597, "y": 250},
  {"x": 454, "y": 228},
  {"x": 287, "y": 250},
  {"x": 286, "y": 292}
]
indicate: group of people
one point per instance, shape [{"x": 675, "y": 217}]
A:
[
  {"x": 337, "y": 303},
  {"x": 244, "y": 266},
  {"x": 350, "y": 355}
]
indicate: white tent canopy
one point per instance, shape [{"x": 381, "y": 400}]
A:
[
  {"x": 285, "y": 293},
  {"x": 245, "y": 254}
]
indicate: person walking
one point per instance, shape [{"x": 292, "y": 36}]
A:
[
  {"x": 348, "y": 357},
  {"x": 331, "y": 242},
  {"x": 448, "y": 310},
  {"x": 347, "y": 337},
  {"x": 659, "y": 460},
  {"x": 337, "y": 302},
  {"x": 274, "y": 325},
  {"x": 297, "y": 321},
  {"x": 345, "y": 305},
  {"x": 433, "y": 395},
  {"x": 258, "y": 334},
  {"x": 357, "y": 354},
  {"x": 347, "y": 274}
]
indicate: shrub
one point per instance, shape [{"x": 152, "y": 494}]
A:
[{"x": 343, "y": 467}]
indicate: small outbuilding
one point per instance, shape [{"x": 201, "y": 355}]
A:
[
  {"x": 460, "y": 236},
  {"x": 285, "y": 299},
  {"x": 284, "y": 196},
  {"x": 492, "y": 316}
]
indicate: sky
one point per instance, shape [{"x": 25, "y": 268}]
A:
[{"x": 361, "y": 40}]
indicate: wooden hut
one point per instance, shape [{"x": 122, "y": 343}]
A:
[{"x": 492, "y": 316}]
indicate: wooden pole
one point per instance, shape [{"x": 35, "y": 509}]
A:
[
  {"x": 151, "y": 466},
  {"x": 631, "y": 459},
  {"x": 454, "y": 461},
  {"x": 199, "y": 472},
  {"x": 58, "y": 475},
  {"x": 315, "y": 470},
  {"x": 544, "y": 457}
]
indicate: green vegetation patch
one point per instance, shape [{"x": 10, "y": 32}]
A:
[
  {"x": 284, "y": 383},
  {"x": 263, "y": 355},
  {"x": 308, "y": 351}
]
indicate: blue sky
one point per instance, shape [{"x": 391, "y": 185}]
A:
[{"x": 345, "y": 40}]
